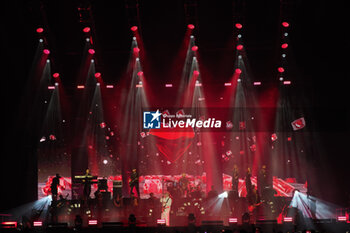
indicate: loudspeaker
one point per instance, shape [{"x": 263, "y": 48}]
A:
[{"x": 117, "y": 188}]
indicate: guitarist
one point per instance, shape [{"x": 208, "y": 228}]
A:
[
  {"x": 166, "y": 205},
  {"x": 134, "y": 182},
  {"x": 254, "y": 201}
]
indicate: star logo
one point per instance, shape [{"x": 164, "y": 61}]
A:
[{"x": 151, "y": 120}]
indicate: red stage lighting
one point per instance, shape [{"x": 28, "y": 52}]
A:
[
  {"x": 285, "y": 24},
  {"x": 86, "y": 29},
  {"x": 284, "y": 46},
  {"x": 238, "y": 26},
  {"x": 91, "y": 51},
  {"x": 228, "y": 84},
  {"x": 287, "y": 82},
  {"x": 97, "y": 75},
  {"x": 136, "y": 50},
  {"x": 46, "y": 51},
  {"x": 239, "y": 47},
  {"x": 51, "y": 87},
  {"x": 140, "y": 73},
  {"x": 196, "y": 73},
  {"x": 238, "y": 71},
  {"x": 133, "y": 28},
  {"x": 56, "y": 75},
  {"x": 40, "y": 30},
  {"x": 280, "y": 69},
  {"x": 190, "y": 26},
  {"x": 109, "y": 86},
  {"x": 194, "y": 48}
]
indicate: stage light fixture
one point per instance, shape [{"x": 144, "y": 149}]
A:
[
  {"x": 196, "y": 73},
  {"x": 56, "y": 75},
  {"x": 87, "y": 39},
  {"x": 194, "y": 48},
  {"x": 192, "y": 36},
  {"x": 140, "y": 73},
  {"x": 287, "y": 219},
  {"x": 105, "y": 161},
  {"x": 56, "y": 84},
  {"x": 238, "y": 71},
  {"x": 92, "y": 222},
  {"x": 281, "y": 78},
  {"x": 238, "y": 26},
  {"x": 133, "y": 28},
  {"x": 51, "y": 87},
  {"x": 97, "y": 75},
  {"x": 239, "y": 80},
  {"x": 37, "y": 224},
  {"x": 190, "y": 26},
  {"x": 239, "y": 35},
  {"x": 228, "y": 84},
  {"x": 284, "y": 55},
  {"x": 280, "y": 69},
  {"x": 46, "y": 51},
  {"x": 98, "y": 84},
  {"x": 47, "y": 60},
  {"x": 168, "y": 85},
  {"x": 341, "y": 219},
  {"x": 109, "y": 86},
  {"x": 41, "y": 40},
  {"x": 92, "y": 60},
  {"x": 285, "y": 24},
  {"x": 285, "y": 34},
  {"x": 40, "y": 30},
  {"x": 232, "y": 221},
  {"x": 284, "y": 45},
  {"x": 223, "y": 195},
  {"x": 86, "y": 29},
  {"x": 239, "y": 56},
  {"x": 80, "y": 86},
  {"x": 239, "y": 47},
  {"x": 91, "y": 51},
  {"x": 287, "y": 82},
  {"x": 161, "y": 222},
  {"x": 256, "y": 83},
  {"x": 136, "y": 50}
]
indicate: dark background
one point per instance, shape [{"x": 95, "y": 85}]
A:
[{"x": 318, "y": 66}]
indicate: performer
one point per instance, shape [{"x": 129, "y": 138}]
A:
[
  {"x": 262, "y": 181},
  {"x": 184, "y": 185},
  {"x": 166, "y": 202},
  {"x": 87, "y": 184},
  {"x": 248, "y": 182},
  {"x": 54, "y": 186},
  {"x": 235, "y": 181},
  {"x": 134, "y": 182}
]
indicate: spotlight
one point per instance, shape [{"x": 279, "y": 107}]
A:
[
  {"x": 97, "y": 75},
  {"x": 136, "y": 50},
  {"x": 284, "y": 46},
  {"x": 238, "y": 71},
  {"x": 91, "y": 51},
  {"x": 223, "y": 195},
  {"x": 256, "y": 83},
  {"x": 47, "y": 60},
  {"x": 40, "y": 30},
  {"x": 137, "y": 59},
  {"x": 284, "y": 55},
  {"x": 196, "y": 73},
  {"x": 168, "y": 85},
  {"x": 134, "y": 38},
  {"x": 109, "y": 86},
  {"x": 56, "y": 84},
  {"x": 140, "y": 73},
  {"x": 239, "y": 80},
  {"x": 98, "y": 84},
  {"x": 281, "y": 78},
  {"x": 285, "y": 34},
  {"x": 86, "y": 29},
  {"x": 192, "y": 36},
  {"x": 87, "y": 39},
  {"x": 228, "y": 84},
  {"x": 238, "y": 26},
  {"x": 105, "y": 161},
  {"x": 190, "y": 26},
  {"x": 92, "y": 60},
  {"x": 239, "y": 47},
  {"x": 239, "y": 35},
  {"x": 56, "y": 75},
  {"x": 239, "y": 56},
  {"x": 285, "y": 24},
  {"x": 51, "y": 87},
  {"x": 194, "y": 48},
  {"x": 80, "y": 86},
  {"x": 41, "y": 40},
  {"x": 46, "y": 51},
  {"x": 133, "y": 28},
  {"x": 287, "y": 82},
  {"x": 280, "y": 69}
]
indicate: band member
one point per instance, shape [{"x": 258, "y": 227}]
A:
[
  {"x": 262, "y": 179},
  {"x": 134, "y": 182},
  {"x": 248, "y": 182},
  {"x": 254, "y": 201},
  {"x": 184, "y": 185},
  {"x": 54, "y": 186},
  {"x": 87, "y": 184},
  {"x": 166, "y": 202},
  {"x": 235, "y": 180}
]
